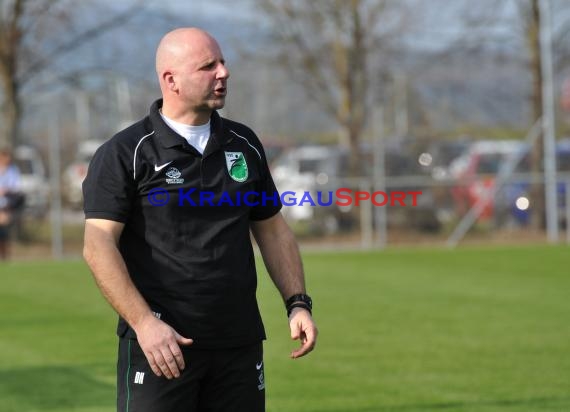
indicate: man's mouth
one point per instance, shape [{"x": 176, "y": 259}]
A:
[{"x": 220, "y": 91}]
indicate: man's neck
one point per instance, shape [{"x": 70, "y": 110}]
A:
[{"x": 186, "y": 117}]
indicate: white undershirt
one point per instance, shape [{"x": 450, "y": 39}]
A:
[{"x": 197, "y": 136}]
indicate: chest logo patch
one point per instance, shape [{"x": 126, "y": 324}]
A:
[
  {"x": 173, "y": 176},
  {"x": 237, "y": 166}
]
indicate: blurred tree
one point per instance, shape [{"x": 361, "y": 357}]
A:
[
  {"x": 334, "y": 50},
  {"x": 512, "y": 30},
  {"x": 28, "y": 48}
]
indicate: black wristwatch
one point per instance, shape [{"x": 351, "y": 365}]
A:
[{"x": 300, "y": 300}]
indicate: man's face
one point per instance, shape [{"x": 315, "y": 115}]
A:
[{"x": 202, "y": 77}]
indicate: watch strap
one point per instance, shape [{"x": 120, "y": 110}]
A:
[{"x": 299, "y": 300}]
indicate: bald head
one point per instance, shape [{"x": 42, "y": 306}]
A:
[
  {"x": 178, "y": 46},
  {"x": 192, "y": 75}
]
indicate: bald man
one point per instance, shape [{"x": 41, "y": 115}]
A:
[{"x": 169, "y": 205}]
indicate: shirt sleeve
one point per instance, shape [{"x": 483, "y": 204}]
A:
[
  {"x": 270, "y": 202},
  {"x": 109, "y": 187}
]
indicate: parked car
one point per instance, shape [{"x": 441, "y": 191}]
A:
[
  {"x": 436, "y": 158},
  {"x": 76, "y": 172},
  {"x": 34, "y": 183},
  {"x": 516, "y": 197},
  {"x": 475, "y": 171},
  {"x": 312, "y": 169},
  {"x": 325, "y": 169}
]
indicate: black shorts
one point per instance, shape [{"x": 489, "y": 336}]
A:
[{"x": 221, "y": 380}]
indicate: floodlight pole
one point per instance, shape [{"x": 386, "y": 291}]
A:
[
  {"x": 55, "y": 188},
  {"x": 379, "y": 174},
  {"x": 548, "y": 122}
]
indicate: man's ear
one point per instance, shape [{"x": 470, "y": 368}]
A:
[{"x": 170, "y": 81}]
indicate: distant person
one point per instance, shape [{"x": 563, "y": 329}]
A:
[
  {"x": 180, "y": 273},
  {"x": 9, "y": 198}
]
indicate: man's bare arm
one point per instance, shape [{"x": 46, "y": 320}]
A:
[
  {"x": 159, "y": 342},
  {"x": 283, "y": 261}
]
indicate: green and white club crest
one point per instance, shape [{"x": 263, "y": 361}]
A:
[{"x": 237, "y": 166}]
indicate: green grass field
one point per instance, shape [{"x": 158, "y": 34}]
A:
[{"x": 476, "y": 329}]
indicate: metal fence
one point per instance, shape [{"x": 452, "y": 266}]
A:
[{"x": 410, "y": 208}]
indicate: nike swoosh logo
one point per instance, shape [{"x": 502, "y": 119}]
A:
[
  {"x": 259, "y": 365},
  {"x": 159, "y": 168}
]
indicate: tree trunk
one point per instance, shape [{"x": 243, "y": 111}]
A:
[
  {"x": 11, "y": 112},
  {"x": 10, "y": 39},
  {"x": 537, "y": 151},
  {"x": 357, "y": 90},
  {"x": 355, "y": 164}
]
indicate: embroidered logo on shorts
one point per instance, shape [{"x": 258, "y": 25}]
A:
[
  {"x": 237, "y": 167},
  {"x": 173, "y": 176},
  {"x": 139, "y": 378},
  {"x": 261, "y": 377}
]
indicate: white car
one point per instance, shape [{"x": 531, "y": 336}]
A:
[{"x": 311, "y": 169}]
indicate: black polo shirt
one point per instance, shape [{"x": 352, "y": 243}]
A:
[{"x": 186, "y": 240}]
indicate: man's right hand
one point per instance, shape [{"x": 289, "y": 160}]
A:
[{"x": 160, "y": 344}]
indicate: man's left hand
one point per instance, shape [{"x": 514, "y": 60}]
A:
[{"x": 302, "y": 328}]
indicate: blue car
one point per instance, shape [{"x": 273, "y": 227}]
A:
[{"x": 516, "y": 197}]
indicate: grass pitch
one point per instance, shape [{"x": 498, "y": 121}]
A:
[{"x": 476, "y": 329}]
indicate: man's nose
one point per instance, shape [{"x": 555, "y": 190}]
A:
[{"x": 223, "y": 72}]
